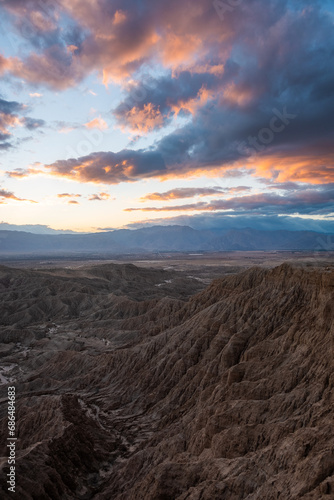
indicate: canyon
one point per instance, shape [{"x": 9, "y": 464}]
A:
[{"x": 150, "y": 383}]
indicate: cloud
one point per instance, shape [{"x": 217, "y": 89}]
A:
[
  {"x": 236, "y": 82},
  {"x": 8, "y": 195},
  {"x": 66, "y": 130},
  {"x": 53, "y": 68},
  {"x": 11, "y": 117},
  {"x": 119, "y": 38},
  {"x": 8, "y": 116},
  {"x": 309, "y": 201},
  {"x": 98, "y": 123},
  {"x": 106, "y": 228},
  {"x": 64, "y": 127},
  {"x": 32, "y": 123},
  {"x": 107, "y": 168},
  {"x": 4, "y": 145},
  {"x": 143, "y": 119},
  {"x": 68, "y": 195},
  {"x": 35, "y": 94},
  {"x": 20, "y": 173},
  {"x": 99, "y": 197},
  {"x": 180, "y": 193},
  {"x": 152, "y": 103}
]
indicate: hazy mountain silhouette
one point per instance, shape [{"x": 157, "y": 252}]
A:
[{"x": 162, "y": 238}]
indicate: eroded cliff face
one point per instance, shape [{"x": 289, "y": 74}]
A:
[{"x": 158, "y": 395}]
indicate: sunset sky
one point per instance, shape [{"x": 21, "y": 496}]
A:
[{"x": 114, "y": 112}]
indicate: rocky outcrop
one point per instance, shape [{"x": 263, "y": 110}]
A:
[{"x": 225, "y": 395}]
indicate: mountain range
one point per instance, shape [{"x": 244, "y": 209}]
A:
[{"x": 164, "y": 239}]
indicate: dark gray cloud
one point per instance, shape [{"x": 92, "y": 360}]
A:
[
  {"x": 309, "y": 201},
  {"x": 33, "y": 123},
  {"x": 168, "y": 95},
  {"x": 110, "y": 168},
  {"x": 11, "y": 116},
  {"x": 10, "y": 107}
]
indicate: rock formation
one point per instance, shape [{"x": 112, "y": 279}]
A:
[{"x": 129, "y": 390}]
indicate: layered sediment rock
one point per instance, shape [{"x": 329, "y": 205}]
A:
[{"x": 134, "y": 392}]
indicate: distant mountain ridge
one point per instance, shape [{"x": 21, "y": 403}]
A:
[
  {"x": 164, "y": 239},
  {"x": 33, "y": 228}
]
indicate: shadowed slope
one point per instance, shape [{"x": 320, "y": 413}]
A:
[{"x": 228, "y": 394}]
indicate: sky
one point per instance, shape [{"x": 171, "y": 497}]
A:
[{"x": 119, "y": 113}]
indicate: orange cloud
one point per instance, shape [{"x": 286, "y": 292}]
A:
[
  {"x": 71, "y": 48},
  {"x": 21, "y": 173},
  {"x": 181, "y": 193},
  {"x": 97, "y": 123},
  {"x": 119, "y": 17},
  {"x": 175, "y": 208},
  {"x": 192, "y": 105},
  {"x": 179, "y": 49},
  {"x": 237, "y": 95},
  {"x": 128, "y": 59},
  {"x": 7, "y": 121},
  {"x": 309, "y": 169},
  {"x": 147, "y": 116},
  {"x": 67, "y": 195},
  {"x": 65, "y": 130},
  {"x": 8, "y": 195},
  {"x": 116, "y": 43},
  {"x": 144, "y": 120},
  {"x": 4, "y": 64}
]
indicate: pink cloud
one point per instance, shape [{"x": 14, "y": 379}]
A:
[
  {"x": 98, "y": 123},
  {"x": 118, "y": 40},
  {"x": 9, "y": 121},
  {"x": 8, "y": 195}
]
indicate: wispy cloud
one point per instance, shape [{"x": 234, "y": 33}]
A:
[
  {"x": 180, "y": 193},
  {"x": 68, "y": 195},
  {"x": 8, "y": 195},
  {"x": 310, "y": 201}
]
